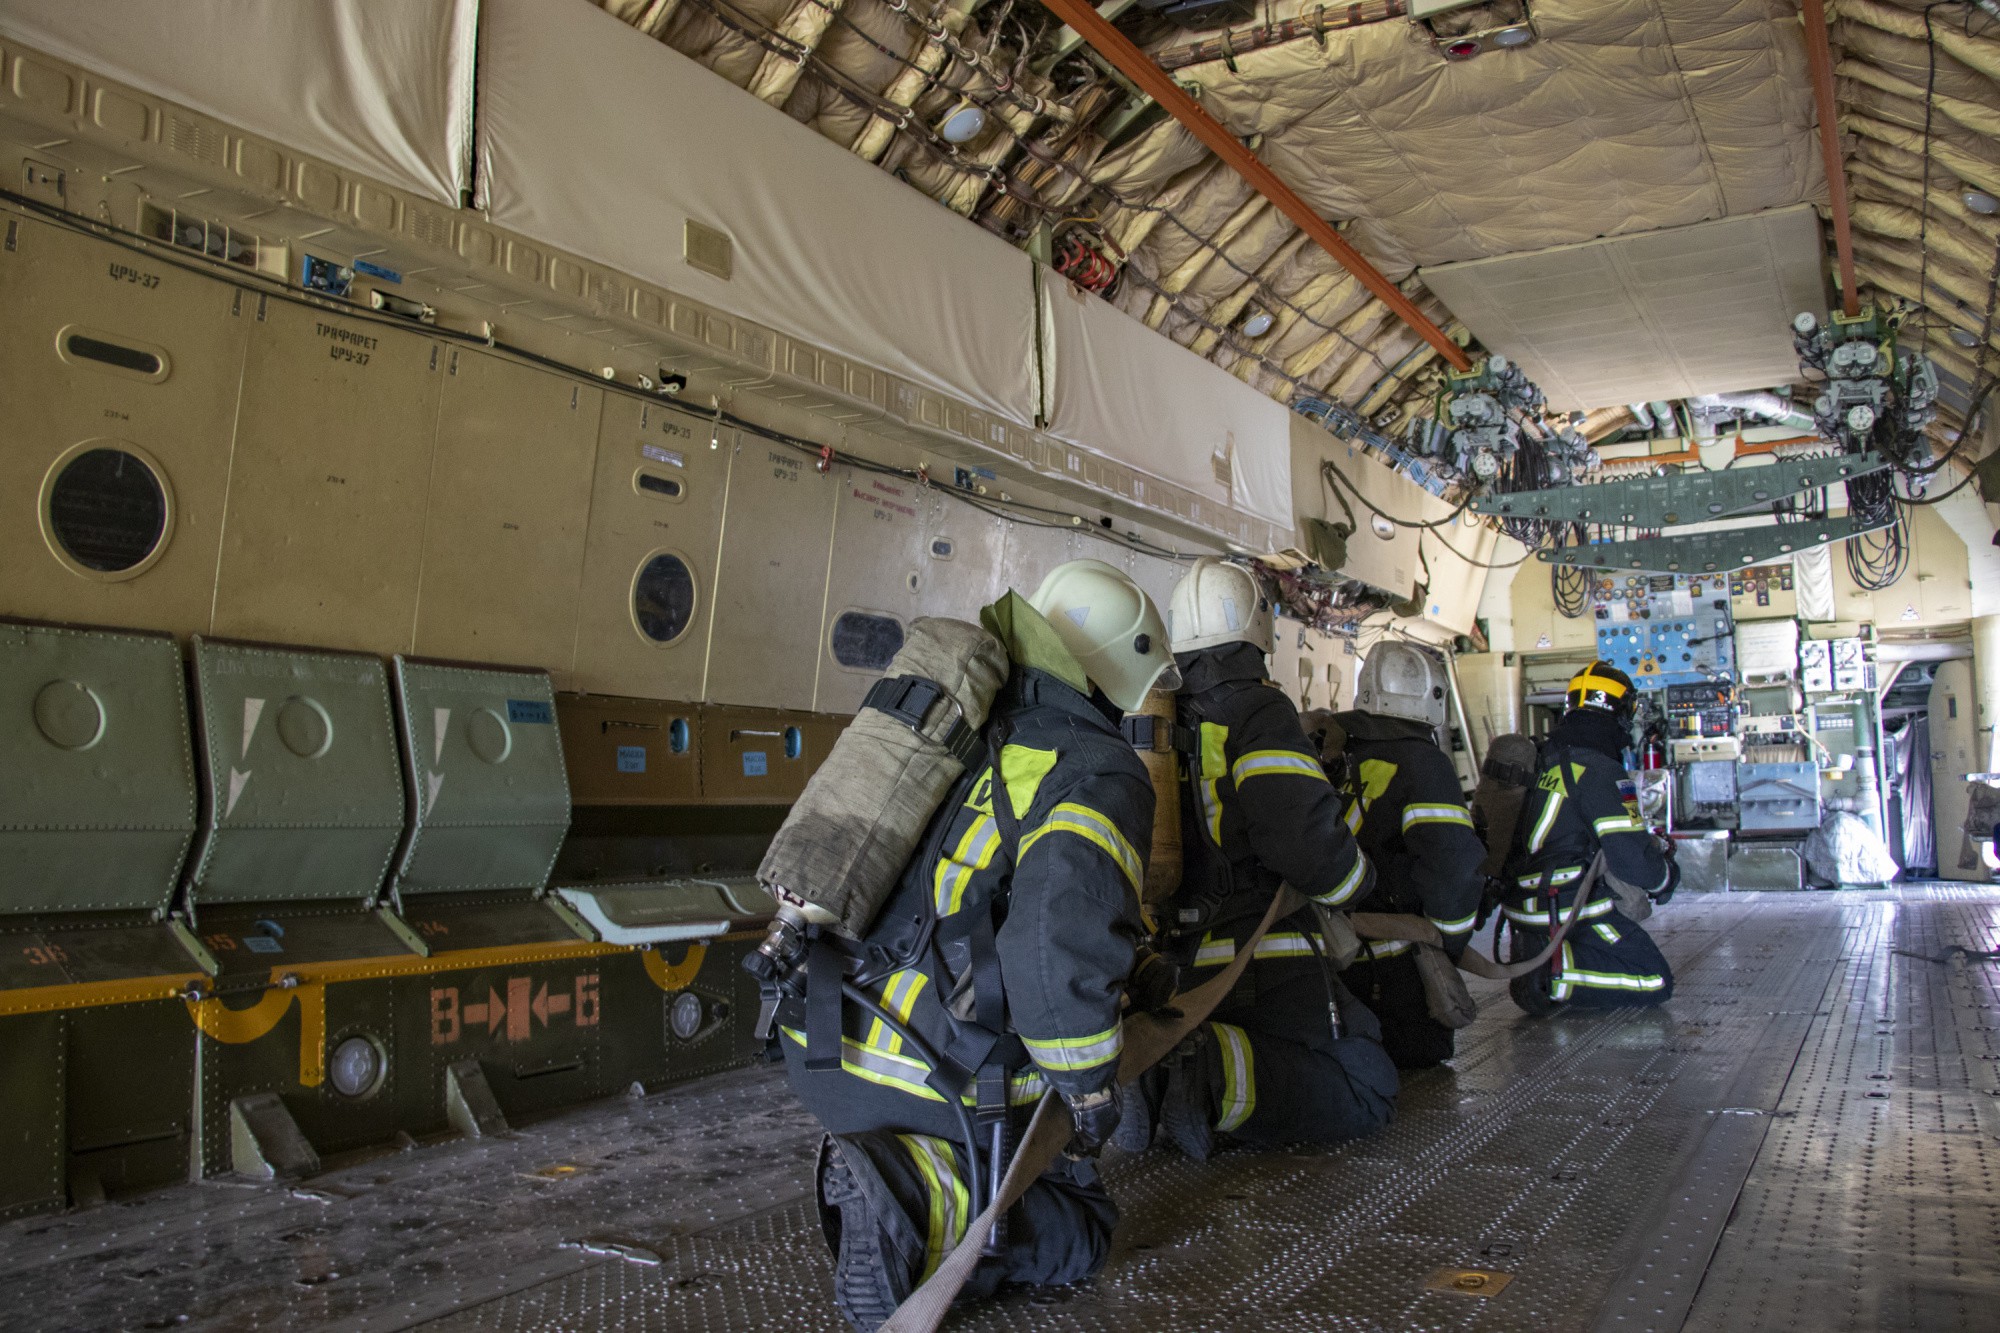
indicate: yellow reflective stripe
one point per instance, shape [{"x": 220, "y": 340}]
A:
[
  {"x": 1239, "y": 1076},
  {"x": 1632, "y": 981},
  {"x": 949, "y": 1202},
  {"x": 1093, "y": 827},
  {"x": 894, "y": 1070},
  {"x": 1214, "y": 952},
  {"x": 1550, "y": 806},
  {"x": 1608, "y": 934},
  {"x": 1214, "y": 767},
  {"x": 1352, "y": 817},
  {"x": 1564, "y": 876},
  {"x": 1022, "y": 768},
  {"x": 1073, "y": 1053},
  {"x": 1291, "y": 944},
  {"x": 1454, "y": 927},
  {"x": 1344, "y": 890},
  {"x": 1586, "y": 681},
  {"x": 1268, "y": 763},
  {"x": 1435, "y": 814},
  {"x": 974, "y": 853},
  {"x": 1531, "y": 914},
  {"x": 899, "y": 997},
  {"x": 1617, "y": 824}
]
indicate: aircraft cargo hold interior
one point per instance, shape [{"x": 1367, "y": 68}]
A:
[{"x": 912, "y": 664}]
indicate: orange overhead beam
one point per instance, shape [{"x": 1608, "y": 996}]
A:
[
  {"x": 1819, "y": 58},
  {"x": 1115, "y": 47}
]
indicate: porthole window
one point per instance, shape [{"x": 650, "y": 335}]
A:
[
  {"x": 663, "y": 597},
  {"x": 866, "y": 642},
  {"x": 795, "y": 743},
  {"x": 679, "y": 735},
  {"x": 106, "y": 510}
]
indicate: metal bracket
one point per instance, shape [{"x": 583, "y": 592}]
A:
[
  {"x": 402, "y": 930},
  {"x": 265, "y": 1143},
  {"x": 198, "y": 951},
  {"x": 469, "y": 1103},
  {"x": 1687, "y": 497},
  {"x": 1712, "y": 552}
]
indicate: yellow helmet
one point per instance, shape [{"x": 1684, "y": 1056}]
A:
[
  {"x": 1603, "y": 687},
  {"x": 1111, "y": 626}
]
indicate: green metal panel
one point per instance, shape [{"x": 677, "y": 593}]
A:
[
  {"x": 31, "y": 1114},
  {"x": 98, "y": 802},
  {"x": 489, "y": 800},
  {"x": 130, "y": 1096},
  {"x": 1684, "y": 497},
  {"x": 299, "y": 749},
  {"x": 1711, "y": 552}
]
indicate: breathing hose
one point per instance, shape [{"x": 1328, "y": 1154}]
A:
[{"x": 918, "y": 1047}]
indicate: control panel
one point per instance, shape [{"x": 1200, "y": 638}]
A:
[{"x": 1664, "y": 630}]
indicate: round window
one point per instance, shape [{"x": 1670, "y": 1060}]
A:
[
  {"x": 685, "y": 1015},
  {"x": 105, "y": 511},
  {"x": 357, "y": 1066},
  {"x": 663, "y": 598}
]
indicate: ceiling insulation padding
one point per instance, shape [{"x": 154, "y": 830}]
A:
[
  {"x": 1119, "y": 389},
  {"x": 383, "y": 89},
  {"x": 596, "y": 139},
  {"x": 1661, "y": 315},
  {"x": 1625, "y": 116}
]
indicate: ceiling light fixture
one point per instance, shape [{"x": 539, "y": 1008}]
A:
[
  {"x": 1981, "y": 202},
  {"x": 962, "y": 123},
  {"x": 1257, "y": 323},
  {"x": 1964, "y": 339},
  {"x": 1463, "y": 49},
  {"x": 1515, "y": 36}
]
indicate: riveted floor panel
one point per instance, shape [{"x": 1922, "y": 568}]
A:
[{"x": 1804, "y": 1137}]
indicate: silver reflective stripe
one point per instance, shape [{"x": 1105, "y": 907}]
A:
[
  {"x": 1239, "y": 1076},
  {"x": 1344, "y": 890}
]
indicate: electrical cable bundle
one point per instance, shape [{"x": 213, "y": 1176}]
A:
[
  {"x": 1570, "y": 584},
  {"x": 1876, "y": 559}
]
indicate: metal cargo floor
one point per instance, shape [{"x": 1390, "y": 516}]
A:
[{"x": 1804, "y": 1138}]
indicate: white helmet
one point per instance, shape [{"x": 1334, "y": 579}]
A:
[
  {"x": 1111, "y": 626},
  {"x": 1218, "y": 602},
  {"x": 1398, "y": 680}
]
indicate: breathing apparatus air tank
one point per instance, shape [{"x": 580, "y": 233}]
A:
[
  {"x": 841, "y": 850},
  {"x": 1502, "y": 791},
  {"x": 1151, "y": 731}
]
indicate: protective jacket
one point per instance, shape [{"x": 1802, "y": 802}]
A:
[
  {"x": 1261, "y": 811},
  {"x": 1563, "y": 824},
  {"x": 1572, "y": 811},
  {"x": 1010, "y": 941},
  {"x": 1274, "y": 1067},
  {"x": 1005, "y": 950},
  {"x": 1408, "y": 812}
]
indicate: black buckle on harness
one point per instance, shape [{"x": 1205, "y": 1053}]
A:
[
  {"x": 909, "y": 698},
  {"x": 1144, "y": 732}
]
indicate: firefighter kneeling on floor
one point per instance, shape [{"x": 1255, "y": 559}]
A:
[
  {"x": 1572, "y": 812},
  {"x": 1290, "y": 1056},
  {"x": 1006, "y": 946},
  {"x": 1408, "y": 812}
]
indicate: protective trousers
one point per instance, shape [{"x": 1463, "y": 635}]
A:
[
  {"x": 1389, "y": 983},
  {"x": 898, "y": 1167},
  {"x": 1606, "y": 961},
  {"x": 1278, "y": 1074}
]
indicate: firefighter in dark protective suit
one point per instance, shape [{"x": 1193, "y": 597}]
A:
[
  {"x": 1408, "y": 812},
  {"x": 1290, "y": 1056},
  {"x": 1004, "y": 950},
  {"x": 1573, "y": 811}
]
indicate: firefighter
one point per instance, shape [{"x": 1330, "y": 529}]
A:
[
  {"x": 1408, "y": 812},
  {"x": 1290, "y": 1056},
  {"x": 1573, "y": 810},
  {"x": 1003, "y": 953}
]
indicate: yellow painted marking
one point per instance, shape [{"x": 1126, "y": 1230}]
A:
[{"x": 674, "y": 976}]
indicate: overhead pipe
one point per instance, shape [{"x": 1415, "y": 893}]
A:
[
  {"x": 1769, "y": 406},
  {"x": 1160, "y": 86},
  {"x": 1235, "y": 42},
  {"x": 1819, "y": 59},
  {"x": 1642, "y": 415}
]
